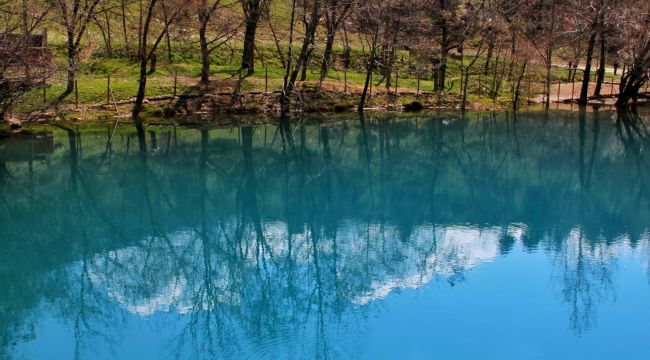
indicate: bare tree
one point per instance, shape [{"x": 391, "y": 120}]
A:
[
  {"x": 369, "y": 20},
  {"x": 311, "y": 21},
  {"x": 635, "y": 37},
  {"x": 102, "y": 20},
  {"x": 13, "y": 81},
  {"x": 211, "y": 41},
  {"x": 25, "y": 59},
  {"x": 550, "y": 47},
  {"x": 253, "y": 10},
  {"x": 335, "y": 11},
  {"x": 596, "y": 12},
  {"x": 75, "y": 16},
  {"x": 146, "y": 52},
  {"x": 205, "y": 11},
  {"x": 601, "y": 64},
  {"x": 444, "y": 16}
]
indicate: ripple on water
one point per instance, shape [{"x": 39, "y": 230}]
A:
[{"x": 286, "y": 344}]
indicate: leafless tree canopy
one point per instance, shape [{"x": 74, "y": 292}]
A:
[{"x": 507, "y": 41}]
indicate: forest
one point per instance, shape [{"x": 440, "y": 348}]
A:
[{"x": 158, "y": 58}]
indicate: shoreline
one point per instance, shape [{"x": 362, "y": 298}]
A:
[{"x": 203, "y": 107}]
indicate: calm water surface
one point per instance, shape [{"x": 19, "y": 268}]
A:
[{"x": 489, "y": 236}]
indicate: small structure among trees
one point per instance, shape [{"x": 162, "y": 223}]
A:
[
  {"x": 21, "y": 49},
  {"x": 25, "y": 63}
]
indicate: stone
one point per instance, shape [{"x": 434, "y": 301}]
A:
[{"x": 14, "y": 123}]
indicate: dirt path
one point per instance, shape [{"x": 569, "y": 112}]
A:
[{"x": 568, "y": 91}]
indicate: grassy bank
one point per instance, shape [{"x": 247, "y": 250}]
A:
[{"x": 181, "y": 76}]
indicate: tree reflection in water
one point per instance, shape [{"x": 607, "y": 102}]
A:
[{"x": 262, "y": 247}]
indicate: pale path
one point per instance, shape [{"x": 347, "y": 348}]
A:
[{"x": 566, "y": 90}]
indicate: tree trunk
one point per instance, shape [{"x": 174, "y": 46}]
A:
[
  {"x": 442, "y": 72},
  {"x": 632, "y": 81},
  {"x": 327, "y": 55},
  {"x": 124, "y": 30},
  {"x": 364, "y": 94},
  {"x": 140, "y": 18},
  {"x": 462, "y": 68},
  {"x": 444, "y": 48},
  {"x": 549, "y": 58},
  {"x": 601, "y": 68},
  {"x": 154, "y": 62},
  {"x": 72, "y": 63},
  {"x": 513, "y": 51},
  {"x": 575, "y": 71},
  {"x": 517, "y": 92},
  {"x": 389, "y": 62},
  {"x": 465, "y": 80},
  {"x": 547, "y": 85},
  {"x": 305, "y": 65},
  {"x": 142, "y": 86},
  {"x": 584, "y": 91},
  {"x": 143, "y": 54},
  {"x": 107, "y": 44},
  {"x": 465, "y": 73},
  {"x": 303, "y": 57},
  {"x": 167, "y": 37},
  {"x": 307, "y": 46},
  {"x": 285, "y": 98},
  {"x": 498, "y": 77},
  {"x": 435, "y": 71},
  {"x": 248, "y": 58},
  {"x": 27, "y": 33},
  {"x": 490, "y": 50},
  {"x": 109, "y": 36},
  {"x": 205, "y": 55}
]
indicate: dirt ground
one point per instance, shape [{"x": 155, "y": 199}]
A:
[
  {"x": 568, "y": 91},
  {"x": 229, "y": 84}
]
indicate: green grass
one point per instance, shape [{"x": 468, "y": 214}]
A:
[
  {"x": 124, "y": 72},
  {"x": 185, "y": 55}
]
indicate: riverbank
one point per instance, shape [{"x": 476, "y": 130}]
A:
[{"x": 207, "y": 104}]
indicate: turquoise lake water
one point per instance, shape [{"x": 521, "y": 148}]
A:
[{"x": 430, "y": 236}]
